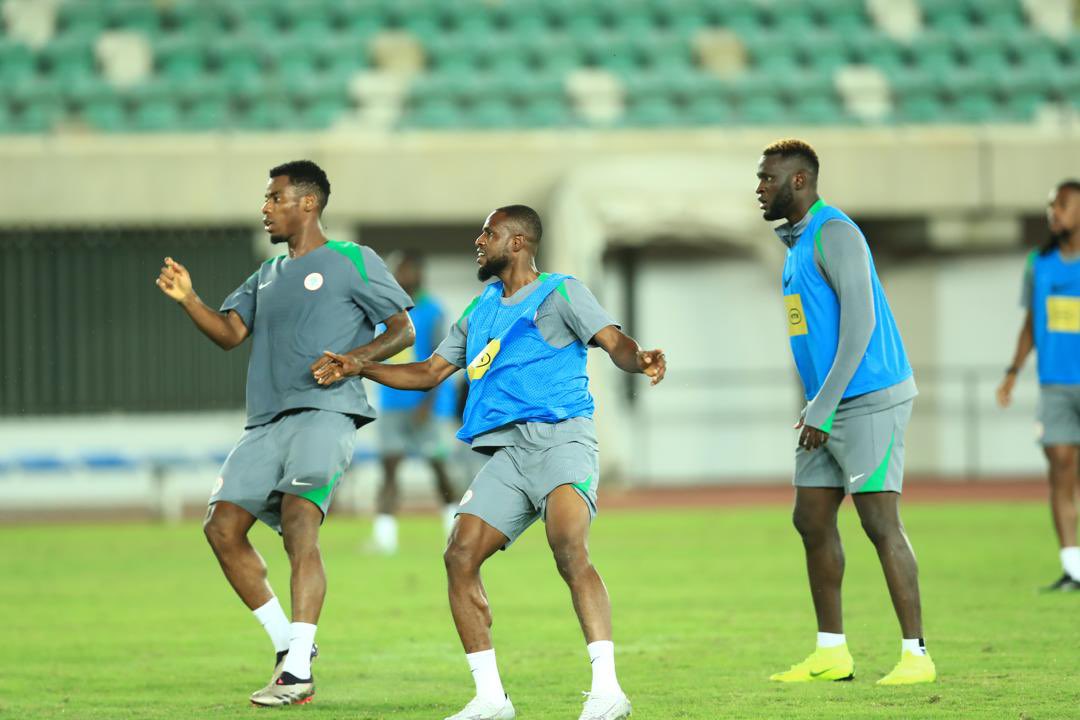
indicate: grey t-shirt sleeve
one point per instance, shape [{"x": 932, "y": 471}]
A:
[
  {"x": 452, "y": 348},
  {"x": 1027, "y": 288},
  {"x": 242, "y": 300},
  {"x": 380, "y": 296},
  {"x": 844, "y": 261},
  {"x": 571, "y": 313}
]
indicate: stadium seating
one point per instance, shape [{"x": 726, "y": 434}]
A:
[{"x": 496, "y": 64}]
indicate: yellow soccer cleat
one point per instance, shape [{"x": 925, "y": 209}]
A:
[
  {"x": 833, "y": 663},
  {"x": 911, "y": 669}
]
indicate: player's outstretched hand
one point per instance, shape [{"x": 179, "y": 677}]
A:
[
  {"x": 1004, "y": 391},
  {"x": 332, "y": 367},
  {"x": 653, "y": 363},
  {"x": 174, "y": 280}
]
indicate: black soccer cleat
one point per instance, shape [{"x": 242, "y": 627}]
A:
[{"x": 1065, "y": 583}]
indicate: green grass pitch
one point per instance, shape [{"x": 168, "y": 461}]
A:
[{"x": 136, "y": 621}]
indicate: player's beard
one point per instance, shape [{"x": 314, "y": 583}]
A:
[
  {"x": 780, "y": 204},
  {"x": 278, "y": 239},
  {"x": 492, "y": 266}
]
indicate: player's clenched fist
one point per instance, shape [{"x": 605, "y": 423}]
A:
[{"x": 174, "y": 280}]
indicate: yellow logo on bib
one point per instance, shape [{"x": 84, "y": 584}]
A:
[
  {"x": 796, "y": 318},
  {"x": 408, "y": 355},
  {"x": 482, "y": 362},
  {"x": 1063, "y": 314}
]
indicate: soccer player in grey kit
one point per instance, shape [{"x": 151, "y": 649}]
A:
[{"x": 298, "y": 438}]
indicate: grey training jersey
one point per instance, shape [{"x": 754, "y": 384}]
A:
[
  {"x": 570, "y": 314},
  {"x": 295, "y": 308}
]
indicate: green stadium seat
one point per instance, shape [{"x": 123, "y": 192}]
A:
[
  {"x": 208, "y": 114},
  {"x": 239, "y": 59},
  {"x": 771, "y": 53},
  {"x": 803, "y": 83},
  {"x": 7, "y": 123},
  {"x": 136, "y": 16},
  {"x": 81, "y": 20},
  {"x": 984, "y": 50},
  {"x": 545, "y": 112},
  {"x": 877, "y": 49},
  {"x": 709, "y": 110},
  {"x": 822, "y": 50},
  {"x": 763, "y": 110},
  {"x": 1034, "y": 51},
  {"x": 791, "y": 18},
  {"x": 946, "y": 16},
  {"x": 17, "y": 63},
  {"x": 968, "y": 82},
  {"x": 656, "y": 111},
  {"x": 180, "y": 57},
  {"x": 434, "y": 114},
  {"x": 555, "y": 53},
  {"x": 322, "y": 113},
  {"x": 817, "y": 110},
  {"x": 106, "y": 114},
  {"x": 83, "y": 90},
  {"x": 342, "y": 57},
  {"x": 359, "y": 19},
  {"x": 611, "y": 51},
  {"x": 932, "y": 52},
  {"x": 156, "y": 115},
  {"x": 69, "y": 58},
  {"x": 38, "y": 117},
  {"x": 264, "y": 114},
  {"x": 1000, "y": 15},
  {"x": 492, "y": 114},
  {"x": 975, "y": 107},
  {"x": 308, "y": 19},
  {"x": 666, "y": 51},
  {"x": 920, "y": 108},
  {"x": 682, "y": 17},
  {"x": 192, "y": 19},
  {"x": 245, "y": 20},
  {"x": 743, "y": 19},
  {"x": 1022, "y": 106}
]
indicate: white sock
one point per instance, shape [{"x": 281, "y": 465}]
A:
[
  {"x": 486, "y": 675},
  {"x": 1070, "y": 561},
  {"x": 275, "y": 623},
  {"x": 386, "y": 532},
  {"x": 915, "y": 646},
  {"x": 448, "y": 517},
  {"x": 602, "y": 657},
  {"x": 301, "y": 639},
  {"x": 828, "y": 640}
]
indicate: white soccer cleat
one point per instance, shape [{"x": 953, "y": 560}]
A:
[
  {"x": 479, "y": 709},
  {"x": 605, "y": 707}
]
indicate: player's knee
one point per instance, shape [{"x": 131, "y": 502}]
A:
[
  {"x": 460, "y": 557},
  {"x": 219, "y": 534},
  {"x": 881, "y": 530},
  {"x": 572, "y": 560},
  {"x": 809, "y": 525}
]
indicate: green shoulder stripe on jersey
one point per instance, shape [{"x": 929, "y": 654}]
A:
[
  {"x": 827, "y": 425},
  {"x": 319, "y": 495},
  {"x": 468, "y": 311},
  {"x": 276, "y": 257},
  {"x": 561, "y": 289},
  {"x": 817, "y": 235},
  {"x": 876, "y": 482},
  {"x": 1031, "y": 258},
  {"x": 351, "y": 251}
]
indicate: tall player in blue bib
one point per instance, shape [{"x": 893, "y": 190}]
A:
[
  {"x": 523, "y": 344},
  {"x": 413, "y": 423},
  {"x": 1051, "y": 326},
  {"x": 859, "y": 391}
]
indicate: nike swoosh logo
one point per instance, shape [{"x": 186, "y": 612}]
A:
[
  {"x": 855, "y": 478},
  {"x": 298, "y": 483},
  {"x": 819, "y": 674},
  {"x": 263, "y": 285}
]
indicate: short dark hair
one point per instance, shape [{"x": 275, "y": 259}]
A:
[
  {"x": 790, "y": 147},
  {"x": 308, "y": 179},
  {"x": 526, "y": 219},
  {"x": 1069, "y": 184}
]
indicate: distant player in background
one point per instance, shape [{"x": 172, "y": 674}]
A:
[
  {"x": 299, "y": 435},
  {"x": 1051, "y": 296},
  {"x": 859, "y": 389},
  {"x": 523, "y": 342},
  {"x": 411, "y": 422}
]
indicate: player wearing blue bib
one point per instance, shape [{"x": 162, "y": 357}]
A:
[
  {"x": 1051, "y": 296},
  {"x": 299, "y": 435},
  {"x": 412, "y": 423},
  {"x": 859, "y": 391},
  {"x": 523, "y": 343}
]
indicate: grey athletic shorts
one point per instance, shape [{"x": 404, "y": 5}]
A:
[
  {"x": 1059, "y": 415},
  {"x": 510, "y": 492},
  {"x": 399, "y": 435},
  {"x": 865, "y": 453},
  {"x": 300, "y": 454}
]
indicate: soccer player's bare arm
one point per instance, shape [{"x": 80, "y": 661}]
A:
[
  {"x": 628, "y": 355},
  {"x": 227, "y": 330},
  {"x": 409, "y": 376},
  {"x": 399, "y": 335},
  {"x": 1024, "y": 344}
]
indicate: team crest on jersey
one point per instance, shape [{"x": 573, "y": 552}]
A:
[
  {"x": 480, "y": 364},
  {"x": 313, "y": 281}
]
